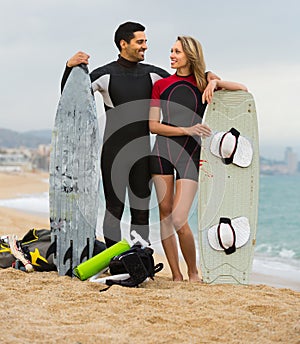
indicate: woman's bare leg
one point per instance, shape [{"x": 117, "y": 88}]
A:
[
  {"x": 164, "y": 185},
  {"x": 184, "y": 196}
]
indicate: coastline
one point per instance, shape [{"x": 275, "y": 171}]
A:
[
  {"x": 49, "y": 308},
  {"x": 18, "y": 219},
  {"x": 17, "y": 222},
  {"x": 14, "y": 185}
]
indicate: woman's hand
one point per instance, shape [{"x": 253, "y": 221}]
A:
[
  {"x": 220, "y": 84},
  {"x": 209, "y": 91},
  {"x": 198, "y": 130}
]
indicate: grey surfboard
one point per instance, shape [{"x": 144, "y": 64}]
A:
[
  {"x": 74, "y": 173},
  {"x": 228, "y": 190}
]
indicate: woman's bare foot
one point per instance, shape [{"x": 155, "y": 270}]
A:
[
  {"x": 195, "y": 278},
  {"x": 178, "y": 278}
]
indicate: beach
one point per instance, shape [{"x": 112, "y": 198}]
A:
[{"x": 42, "y": 307}]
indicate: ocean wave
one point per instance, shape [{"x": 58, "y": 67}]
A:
[
  {"x": 284, "y": 253},
  {"x": 278, "y": 250}
]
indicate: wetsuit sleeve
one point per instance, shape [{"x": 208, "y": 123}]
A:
[
  {"x": 99, "y": 79},
  {"x": 94, "y": 75},
  {"x": 161, "y": 72},
  {"x": 65, "y": 77},
  {"x": 157, "y": 73},
  {"x": 155, "y": 97}
]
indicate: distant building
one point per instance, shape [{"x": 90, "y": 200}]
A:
[
  {"x": 289, "y": 166},
  {"x": 14, "y": 161},
  {"x": 24, "y": 159},
  {"x": 41, "y": 158}
]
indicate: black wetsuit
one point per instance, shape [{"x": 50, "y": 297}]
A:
[
  {"x": 126, "y": 89},
  {"x": 181, "y": 104}
]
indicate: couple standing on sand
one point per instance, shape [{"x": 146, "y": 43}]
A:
[{"x": 127, "y": 162}]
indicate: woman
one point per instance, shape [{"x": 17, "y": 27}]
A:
[{"x": 182, "y": 99}]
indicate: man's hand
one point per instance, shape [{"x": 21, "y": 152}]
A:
[{"x": 78, "y": 58}]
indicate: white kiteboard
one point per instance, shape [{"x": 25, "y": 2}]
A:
[
  {"x": 228, "y": 189},
  {"x": 74, "y": 174}
]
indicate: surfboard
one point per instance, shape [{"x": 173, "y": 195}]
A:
[
  {"x": 228, "y": 192},
  {"x": 74, "y": 174}
]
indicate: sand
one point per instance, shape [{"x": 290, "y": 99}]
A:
[{"x": 43, "y": 307}]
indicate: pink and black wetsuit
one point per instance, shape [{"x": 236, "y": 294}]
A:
[{"x": 181, "y": 103}]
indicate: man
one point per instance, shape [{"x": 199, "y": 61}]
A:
[{"x": 126, "y": 87}]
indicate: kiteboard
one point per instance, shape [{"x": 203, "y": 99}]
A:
[
  {"x": 228, "y": 189},
  {"x": 74, "y": 174}
]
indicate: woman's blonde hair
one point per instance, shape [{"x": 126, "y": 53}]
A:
[{"x": 193, "y": 50}]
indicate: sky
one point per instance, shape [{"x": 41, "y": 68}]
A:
[{"x": 254, "y": 42}]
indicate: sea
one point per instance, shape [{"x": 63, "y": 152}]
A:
[{"x": 277, "y": 251}]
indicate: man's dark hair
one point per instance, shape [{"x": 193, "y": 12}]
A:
[{"x": 126, "y": 31}]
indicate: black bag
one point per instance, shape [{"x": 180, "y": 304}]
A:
[
  {"x": 138, "y": 262},
  {"x": 6, "y": 258}
]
